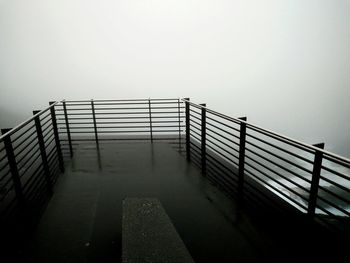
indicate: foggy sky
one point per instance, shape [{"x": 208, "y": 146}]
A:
[{"x": 284, "y": 64}]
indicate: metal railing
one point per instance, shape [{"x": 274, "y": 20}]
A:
[
  {"x": 32, "y": 154},
  {"x": 247, "y": 161},
  {"x": 267, "y": 168},
  {"x": 101, "y": 120},
  {"x": 30, "y": 161}
]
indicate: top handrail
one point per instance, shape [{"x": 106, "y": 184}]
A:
[
  {"x": 24, "y": 123},
  {"x": 106, "y": 100},
  {"x": 280, "y": 136}
]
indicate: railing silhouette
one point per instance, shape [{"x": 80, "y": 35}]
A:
[
  {"x": 243, "y": 157},
  {"x": 247, "y": 161}
]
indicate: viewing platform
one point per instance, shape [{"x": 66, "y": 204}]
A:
[{"x": 70, "y": 209}]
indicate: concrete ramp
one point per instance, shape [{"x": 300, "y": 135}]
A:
[{"x": 149, "y": 235}]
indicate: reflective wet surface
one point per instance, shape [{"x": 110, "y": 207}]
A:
[{"x": 83, "y": 220}]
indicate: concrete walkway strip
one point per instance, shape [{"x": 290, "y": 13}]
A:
[{"x": 148, "y": 234}]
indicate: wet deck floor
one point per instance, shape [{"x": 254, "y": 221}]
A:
[{"x": 83, "y": 220}]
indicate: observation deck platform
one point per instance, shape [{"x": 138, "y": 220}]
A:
[{"x": 83, "y": 220}]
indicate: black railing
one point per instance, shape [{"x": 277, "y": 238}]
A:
[
  {"x": 247, "y": 161},
  {"x": 267, "y": 168},
  {"x": 100, "y": 120},
  {"x": 30, "y": 161}
]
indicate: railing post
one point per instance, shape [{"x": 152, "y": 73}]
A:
[
  {"x": 13, "y": 167},
  {"x": 179, "y": 122},
  {"x": 315, "y": 180},
  {"x": 203, "y": 138},
  {"x": 150, "y": 118},
  {"x": 67, "y": 127},
  {"x": 94, "y": 119},
  {"x": 57, "y": 138},
  {"x": 188, "y": 145},
  {"x": 242, "y": 139},
  {"x": 43, "y": 151}
]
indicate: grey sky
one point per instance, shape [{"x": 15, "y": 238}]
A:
[{"x": 284, "y": 64}]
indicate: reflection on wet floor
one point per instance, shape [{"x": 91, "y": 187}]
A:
[{"x": 83, "y": 220}]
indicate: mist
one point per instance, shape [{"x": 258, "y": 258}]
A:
[{"x": 283, "y": 64}]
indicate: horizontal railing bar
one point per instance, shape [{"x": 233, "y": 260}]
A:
[
  {"x": 229, "y": 133},
  {"x": 29, "y": 166},
  {"x": 195, "y": 154},
  {"x": 335, "y": 184},
  {"x": 195, "y": 117},
  {"x": 224, "y": 124},
  {"x": 220, "y": 141},
  {"x": 198, "y": 129},
  {"x": 52, "y": 152},
  {"x": 123, "y": 100},
  {"x": 130, "y": 117},
  {"x": 222, "y": 155},
  {"x": 307, "y": 147},
  {"x": 195, "y": 137},
  {"x": 259, "y": 193},
  {"x": 195, "y": 132},
  {"x": 9, "y": 180},
  {"x": 5, "y": 174},
  {"x": 223, "y": 176},
  {"x": 125, "y": 131},
  {"x": 276, "y": 189},
  {"x": 47, "y": 115},
  {"x": 77, "y": 114},
  {"x": 20, "y": 165},
  {"x": 196, "y": 112},
  {"x": 196, "y": 162},
  {"x": 15, "y": 147},
  {"x": 4, "y": 194},
  {"x": 3, "y": 158},
  {"x": 276, "y": 173},
  {"x": 126, "y": 122},
  {"x": 118, "y": 113},
  {"x": 334, "y": 194},
  {"x": 140, "y": 108},
  {"x": 222, "y": 136},
  {"x": 47, "y": 132},
  {"x": 334, "y": 205},
  {"x": 124, "y": 127},
  {"x": 279, "y": 157},
  {"x": 197, "y": 151},
  {"x": 278, "y": 165},
  {"x": 198, "y": 147},
  {"x": 21, "y": 125},
  {"x": 78, "y": 128},
  {"x": 281, "y": 138},
  {"x": 193, "y": 121},
  {"x": 52, "y": 160},
  {"x": 328, "y": 213},
  {"x": 280, "y": 148},
  {"x": 20, "y": 135},
  {"x": 221, "y": 148},
  {"x": 27, "y": 187},
  {"x": 220, "y": 164},
  {"x": 4, "y": 166},
  {"x": 43, "y": 125},
  {"x": 344, "y": 176},
  {"x": 339, "y": 160},
  {"x": 51, "y": 140},
  {"x": 26, "y": 146},
  {"x": 124, "y": 139}
]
